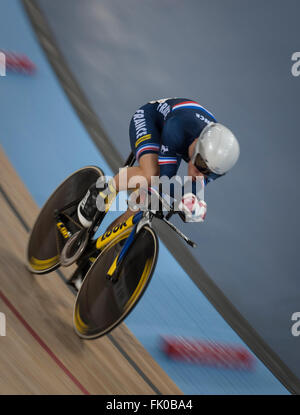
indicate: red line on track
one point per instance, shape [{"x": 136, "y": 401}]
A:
[{"x": 43, "y": 344}]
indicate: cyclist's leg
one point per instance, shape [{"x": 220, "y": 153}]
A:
[
  {"x": 148, "y": 169},
  {"x": 122, "y": 218},
  {"x": 138, "y": 176}
]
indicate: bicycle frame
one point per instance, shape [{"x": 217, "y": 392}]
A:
[
  {"x": 136, "y": 222},
  {"x": 111, "y": 234},
  {"x": 108, "y": 236},
  {"x": 131, "y": 226}
]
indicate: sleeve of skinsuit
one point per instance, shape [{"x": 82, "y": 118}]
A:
[{"x": 169, "y": 157}]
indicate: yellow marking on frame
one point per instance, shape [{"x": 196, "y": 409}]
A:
[
  {"x": 140, "y": 284},
  {"x": 63, "y": 230},
  {"x": 141, "y": 139},
  {"x": 110, "y": 235}
]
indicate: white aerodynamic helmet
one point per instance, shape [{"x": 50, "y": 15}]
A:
[{"x": 217, "y": 149}]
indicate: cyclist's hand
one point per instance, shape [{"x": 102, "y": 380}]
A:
[{"x": 193, "y": 208}]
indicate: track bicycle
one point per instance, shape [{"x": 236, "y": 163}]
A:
[{"x": 115, "y": 268}]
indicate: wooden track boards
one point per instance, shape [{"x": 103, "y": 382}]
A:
[{"x": 40, "y": 353}]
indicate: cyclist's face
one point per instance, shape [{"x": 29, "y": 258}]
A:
[
  {"x": 193, "y": 171},
  {"x": 201, "y": 166},
  {"x": 192, "y": 148}
]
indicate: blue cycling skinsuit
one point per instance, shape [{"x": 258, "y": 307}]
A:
[{"x": 168, "y": 127}]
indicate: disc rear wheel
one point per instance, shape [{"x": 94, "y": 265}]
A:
[{"x": 45, "y": 241}]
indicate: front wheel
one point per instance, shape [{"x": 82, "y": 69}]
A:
[{"x": 102, "y": 304}]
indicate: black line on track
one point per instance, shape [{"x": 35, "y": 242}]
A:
[
  {"x": 15, "y": 211},
  {"x": 25, "y": 225},
  {"x": 133, "y": 364},
  {"x": 175, "y": 245},
  {"x": 60, "y": 274}
]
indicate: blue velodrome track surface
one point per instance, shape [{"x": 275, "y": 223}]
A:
[{"x": 45, "y": 141}]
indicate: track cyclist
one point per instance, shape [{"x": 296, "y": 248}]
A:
[{"x": 162, "y": 133}]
